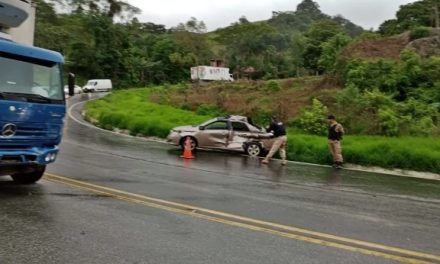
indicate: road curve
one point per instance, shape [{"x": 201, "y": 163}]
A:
[{"x": 118, "y": 199}]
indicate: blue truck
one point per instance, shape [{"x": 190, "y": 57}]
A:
[{"x": 32, "y": 106}]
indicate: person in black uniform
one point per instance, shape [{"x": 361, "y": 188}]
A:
[
  {"x": 279, "y": 133},
  {"x": 335, "y": 134}
]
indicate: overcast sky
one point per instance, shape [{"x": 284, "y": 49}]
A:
[{"x": 221, "y": 13}]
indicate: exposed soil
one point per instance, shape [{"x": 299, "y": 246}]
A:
[
  {"x": 251, "y": 98},
  {"x": 389, "y": 48}
]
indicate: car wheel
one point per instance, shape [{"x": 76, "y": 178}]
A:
[
  {"x": 193, "y": 142},
  {"x": 29, "y": 178},
  {"x": 254, "y": 149}
]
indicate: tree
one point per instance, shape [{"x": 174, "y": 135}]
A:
[
  {"x": 112, "y": 8},
  {"x": 250, "y": 45},
  {"x": 243, "y": 20},
  {"x": 350, "y": 28},
  {"x": 417, "y": 14},
  {"x": 190, "y": 36},
  {"x": 318, "y": 34},
  {"x": 309, "y": 8},
  {"x": 331, "y": 50},
  {"x": 389, "y": 27},
  {"x": 192, "y": 25},
  {"x": 296, "y": 50}
]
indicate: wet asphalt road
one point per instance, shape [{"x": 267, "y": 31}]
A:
[{"x": 56, "y": 223}]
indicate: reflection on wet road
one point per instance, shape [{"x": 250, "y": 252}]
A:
[{"x": 95, "y": 207}]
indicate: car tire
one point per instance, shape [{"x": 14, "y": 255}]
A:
[
  {"x": 29, "y": 178},
  {"x": 254, "y": 149},
  {"x": 194, "y": 143}
]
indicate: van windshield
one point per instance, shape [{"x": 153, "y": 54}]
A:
[{"x": 30, "y": 78}]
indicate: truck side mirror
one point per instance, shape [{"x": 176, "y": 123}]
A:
[{"x": 202, "y": 128}]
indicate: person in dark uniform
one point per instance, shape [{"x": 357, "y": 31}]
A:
[
  {"x": 335, "y": 134},
  {"x": 279, "y": 133}
]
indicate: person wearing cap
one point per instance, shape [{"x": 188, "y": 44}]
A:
[
  {"x": 335, "y": 134},
  {"x": 279, "y": 133}
]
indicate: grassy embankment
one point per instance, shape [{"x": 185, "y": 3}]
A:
[{"x": 131, "y": 110}]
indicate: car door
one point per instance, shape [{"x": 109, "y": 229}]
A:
[
  {"x": 240, "y": 134},
  {"x": 214, "y": 135}
]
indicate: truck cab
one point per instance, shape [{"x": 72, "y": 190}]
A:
[{"x": 32, "y": 104}]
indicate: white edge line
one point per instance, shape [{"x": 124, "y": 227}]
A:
[{"x": 84, "y": 123}]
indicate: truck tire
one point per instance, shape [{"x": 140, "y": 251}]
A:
[{"x": 29, "y": 178}]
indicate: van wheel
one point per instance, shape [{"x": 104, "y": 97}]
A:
[
  {"x": 29, "y": 178},
  {"x": 254, "y": 149}
]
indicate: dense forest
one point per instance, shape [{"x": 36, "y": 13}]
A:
[
  {"x": 378, "y": 83},
  {"x": 104, "y": 39}
]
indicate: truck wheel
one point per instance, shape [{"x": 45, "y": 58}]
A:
[
  {"x": 254, "y": 149},
  {"x": 29, "y": 178}
]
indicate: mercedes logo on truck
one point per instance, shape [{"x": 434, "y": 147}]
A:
[{"x": 9, "y": 130}]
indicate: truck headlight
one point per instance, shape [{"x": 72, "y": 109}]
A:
[{"x": 50, "y": 157}]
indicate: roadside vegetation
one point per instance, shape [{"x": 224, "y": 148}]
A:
[
  {"x": 300, "y": 65},
  {"x": 133, "y": 110}
]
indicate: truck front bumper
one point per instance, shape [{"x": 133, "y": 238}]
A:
[{"x": 32, "y": 156}]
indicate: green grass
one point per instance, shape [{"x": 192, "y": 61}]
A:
[
  {"x": 413, "y": 153},
  {"x": 131, "y": 110}
]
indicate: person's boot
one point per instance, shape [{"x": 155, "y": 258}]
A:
[
  {"x": 339, "y": 165},
  {"x": 284, "y": 162},
  {"x": 265, "y": 161}
]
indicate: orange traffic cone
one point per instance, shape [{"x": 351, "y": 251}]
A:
[{"x": 187, "y": 153}]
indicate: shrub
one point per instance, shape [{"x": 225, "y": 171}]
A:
[
  {"x": 131, "y": 110},
  {"x": 273, "y": 86},
  {"x": 313, "y": 120},
  {"x": 420, "y": 32},
  {"x": 389, "y": 122},
  {"x": 209, "y": 110},
  {"x": 261, "y": 117}
]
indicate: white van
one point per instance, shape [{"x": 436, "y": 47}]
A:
[{"x": 104, "y": 85}]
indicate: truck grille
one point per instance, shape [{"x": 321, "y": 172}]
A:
[
  {"x": 28, "y": 131},
  {"x": 30, "y": 135},
  {"x": 33, "y": 131}
]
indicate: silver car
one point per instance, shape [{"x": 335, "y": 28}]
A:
[{"x": 233, "y": 133}]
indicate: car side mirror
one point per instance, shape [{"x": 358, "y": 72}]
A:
[{"x": 202, "y": 128}]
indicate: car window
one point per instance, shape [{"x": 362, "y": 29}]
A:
[
  {"x": 238, "y": 126},
  {"x": 219, "y": 125}
]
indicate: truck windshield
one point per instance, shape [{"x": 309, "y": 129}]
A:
[{"x": 30, "y": 79}]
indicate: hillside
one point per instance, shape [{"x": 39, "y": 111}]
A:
[
  {"x": 299, "y": 65},
  {"x": 259, "y": 99},
  {"x": 136, "y": 54},
  {"x": 426, "y": 45}
]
